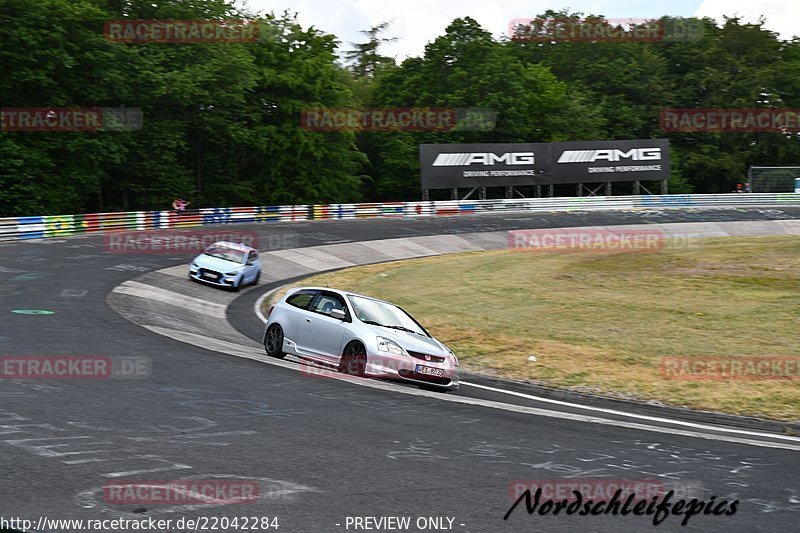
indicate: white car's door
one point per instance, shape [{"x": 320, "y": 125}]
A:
[
  {"x": 325, "y": 333},
  {"x": 294, "y": 326}
]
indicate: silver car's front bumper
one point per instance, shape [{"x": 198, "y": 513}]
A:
[
  {"x": 414, "y": 369},
  {"x": 221, "y": 281},
  {"x": 391, "y": 367}
]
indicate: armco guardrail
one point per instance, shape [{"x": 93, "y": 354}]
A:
[{"x": 38, "y": 227}]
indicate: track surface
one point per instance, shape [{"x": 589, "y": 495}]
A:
[{"x": 323, "y": 449}]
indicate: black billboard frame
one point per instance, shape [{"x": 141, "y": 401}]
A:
[{"x": 590, "y": 156}]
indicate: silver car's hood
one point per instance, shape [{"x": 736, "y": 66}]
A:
[{"x": 411, "y": 341}]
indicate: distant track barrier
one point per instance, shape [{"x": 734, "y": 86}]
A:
[{"x": 39, "y": 227}]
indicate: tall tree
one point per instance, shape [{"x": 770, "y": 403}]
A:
[
  {"x": 365, "y": 59},
  {"x": 467, "y": 68},
  {"x": 222, "y": 120}
]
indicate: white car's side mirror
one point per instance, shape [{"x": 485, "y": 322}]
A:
[{"x": 338, "y": 313}]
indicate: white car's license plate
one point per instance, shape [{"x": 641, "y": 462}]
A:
[
  {"x": 430, "y": 371},
  {"x": 211, "y": 276}
]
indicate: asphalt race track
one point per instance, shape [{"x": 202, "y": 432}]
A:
[{"x": 323, "y": 450}]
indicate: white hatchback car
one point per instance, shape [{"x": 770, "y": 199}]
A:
[{"x": 358, "y": 335}]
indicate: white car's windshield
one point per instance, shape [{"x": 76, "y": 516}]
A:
[
  {"x": 224, "y": 252},
  {"x": 378, "y": 313}
]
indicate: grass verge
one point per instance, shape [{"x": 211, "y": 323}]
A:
[{"x": 604, "y": 322}]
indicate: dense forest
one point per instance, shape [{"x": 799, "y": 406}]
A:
[{"x": 221, "y": 121}]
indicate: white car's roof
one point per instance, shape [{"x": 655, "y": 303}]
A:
[{"x": 338, "y": 291}]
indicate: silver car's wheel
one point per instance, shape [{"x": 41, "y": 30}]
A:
[
  {"x": 274, "y": 341},
  {"x": 354, "y": 360}
]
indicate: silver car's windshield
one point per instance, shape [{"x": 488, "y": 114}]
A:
[
  {"x": 226, "y": 253},
  {"x": 378, "y": 313}
]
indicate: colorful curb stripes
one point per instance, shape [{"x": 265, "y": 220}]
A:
[{"x": 39, "y": 227}]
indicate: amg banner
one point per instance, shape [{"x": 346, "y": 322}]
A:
[
  {"x": 482, "y": 165},
  {"x": 597, "y": 161},
  {"x": 493, "y": 165}
]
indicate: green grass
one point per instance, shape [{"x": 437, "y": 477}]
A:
[{"x": 601, "y": 322}]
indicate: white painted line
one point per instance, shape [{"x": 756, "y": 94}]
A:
[
  {"x": 400, "y": 248},
  {"x": 443, "y": 244},
  {"x": 142, "y": 290},
  {"x": 178, "y": 271},
  {"x": 247, "y": 352},
  {"x": 312, "y": 258},
  {"x": 634, "y": 415},
  {"x": 257, "y": 305}
]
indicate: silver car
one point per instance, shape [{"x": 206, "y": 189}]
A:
[
  {"x": 226, "y": 264},
  {"x": 358, "y": 335}
]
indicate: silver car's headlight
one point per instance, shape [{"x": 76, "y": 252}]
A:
[
  {"x": 451, "y": 353},
  {"x": 386, "y": 345},
  {"x": 232, "y": 273}
]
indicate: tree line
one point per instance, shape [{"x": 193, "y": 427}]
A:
[{"x": 221, "y": 121}]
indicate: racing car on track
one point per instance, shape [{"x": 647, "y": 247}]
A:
[
  {"x": 227, "y": 264},
  {"x": 358, "y": 335}
]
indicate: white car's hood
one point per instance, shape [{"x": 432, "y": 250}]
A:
[{"x": 215, "y": 263}]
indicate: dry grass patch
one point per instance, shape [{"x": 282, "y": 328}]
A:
[{"x": 602, "y": 322}]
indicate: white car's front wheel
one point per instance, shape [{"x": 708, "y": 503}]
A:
[{"x": 354, "y": 359}]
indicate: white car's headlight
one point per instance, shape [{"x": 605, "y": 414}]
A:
[
  {"x": 386, "y": 345},
  {"x": 195, "y": 265},
  {"x": 451, "y": 353},
  {"x": 233, "y": 273}
]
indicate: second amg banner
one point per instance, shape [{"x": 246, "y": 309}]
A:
[{"x": 445, "y": 166}]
